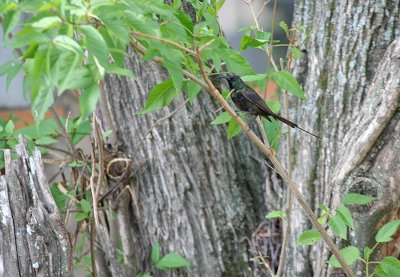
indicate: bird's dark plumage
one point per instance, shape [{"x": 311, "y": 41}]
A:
[{"x": 247, "y": 100}]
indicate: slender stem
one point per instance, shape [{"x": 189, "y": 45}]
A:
[
  {"x": 156, "y": 123},
  {"x": 166, "y": 41},
  {"x": 262, "y": 9},
  {"x": 367, "y": 262}
]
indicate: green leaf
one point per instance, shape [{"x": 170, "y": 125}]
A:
[
  {"x": 27, "y": 36},
  {"x": 285, "y": 27},
  {"x": 76, "y": 78},
  {"x": 338, "y": 226},
  {"x": 185, "y": 20},
  {"x": 10, "y": 21},
  {"x": 287, "y": 82},
  {"x": 367, "y": 252},
  {"x": 75, "y": 164},
  {"x": 324, "y": 215},
  {"x": 263, "y": 35},
  {"x": 155, "y": 252},
  {"x": 296, "y": 53},
  {"x": 96, "y": 44},
  {"x": 80, "y": 130},
  {"x": 142, "y": 23},
  {"x": 46, "y": 23},
  {"x": 350, "y": 255},
  {"x": 236, "y": 63},
  {"x": 308, "y": 237},
  {"x": 85, "y": 206},
  {"x": 172, "y": 63},
  {"x": 4, "y": 68},
  {"x": 12, "y": 73},
  {"x": 41, "y": 103},
  {"x": 35, "y": 70},
  {"x": 322, "y": 219},
  {"x": 222, "y": 118},
  {"x": 10, "y": 127},
  {"x": 233, "y": 128},
  {"x": 160, "y": 96},
  {"x": 274, "y": 105},
  {"x": 275, "y": 214},
  {"x": 193, "y": 90},
  {"x": 386, "y": 232},
  {"x": 87, "y": 260},
  {"x": 357, "y": 199},
  {"x": 58, "y": 196},
  {"x": 153, "y": 6},
  {"x": 46, "y": 140},
  {"x": 172, "y": 261},
  {"x": 176, "y": 4},
  {"x": 250, "y": 42},
  {"x": 345, "y": 214},
  {"x": 68, "y": 43},
  {"x": 272, "y": 129},
  {"x": 46, "y": 127},
  {"x": 88, "y": 101},
  {"x": 212, "y": 23},
  {"x": 107, "y": 133},
  {"x": 389, "y": 267},
  {"x": 255, "y": 77},
  {"x": 80, "y": 216},
  {"x": 323, "y": 207},
  {"x": 119, "y": 71}
]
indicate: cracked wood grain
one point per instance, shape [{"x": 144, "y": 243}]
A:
[{"x": 34, "y": 241}]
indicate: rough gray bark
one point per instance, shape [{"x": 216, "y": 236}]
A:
[
  {"x": 191, "y": 189},
  {"x": 354, "y": 105},
  {"x": 33, "y": 238}
]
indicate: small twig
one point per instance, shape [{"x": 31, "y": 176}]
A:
[
  {"x": 265, "y": 263},
  {"x": 250, "y": 4},
  {"x": 93, "y": 248},
  {"x": 262, "y": 131},
  {"x": 55, "y": 149},
  {"x": 64, "y": 131},
  {"x": 95, "y": 188},
  {"x": 262, "y": 9},
  {"x": 156, "y": 123},
  {"x": 56, "y": 161},
  {"x": 207, "y": 44},
  {"x": 78, "y": 181},
  {"x": 166, "y": 41}
]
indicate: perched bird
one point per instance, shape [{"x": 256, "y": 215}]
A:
[{"x": 247, "y": 100}]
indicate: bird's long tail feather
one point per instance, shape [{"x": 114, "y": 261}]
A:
[
  {"x": 293, "y": 125},
  {"x": 308, "y": 132}
]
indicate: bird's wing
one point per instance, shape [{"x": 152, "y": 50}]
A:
[{"x": 256, "y": 99}]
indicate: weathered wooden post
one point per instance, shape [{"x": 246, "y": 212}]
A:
[{"x": 33, "y": 238}]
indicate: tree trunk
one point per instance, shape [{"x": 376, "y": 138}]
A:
[
  {"x": 189, "y": 188},
  {"x": 33, "y": 238},
  {"x": 353, "y": 94}
]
